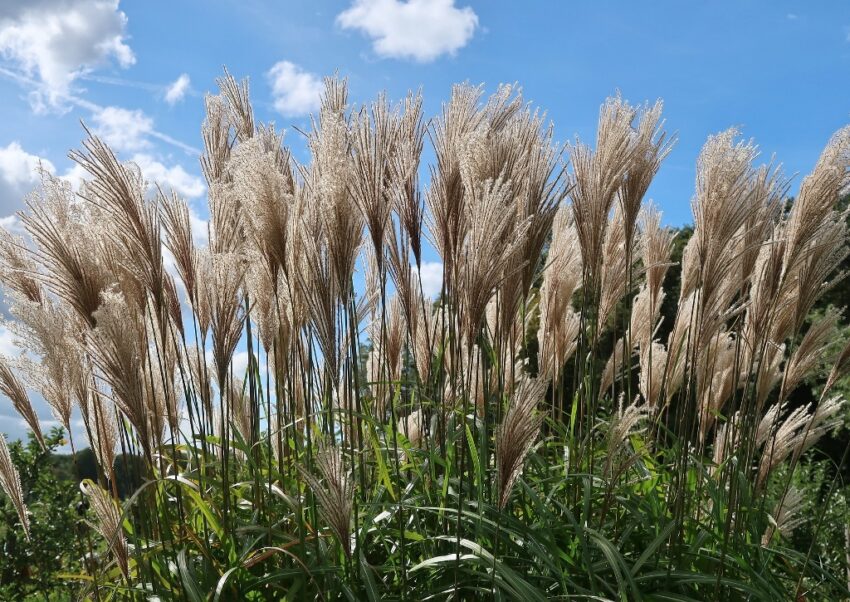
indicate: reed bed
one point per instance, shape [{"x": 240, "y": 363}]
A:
[{"x": 314, "y": 427}]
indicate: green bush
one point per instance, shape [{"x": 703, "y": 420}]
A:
[{"x": 33, "y": 569}]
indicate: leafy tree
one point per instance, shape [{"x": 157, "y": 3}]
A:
[{"x": 29, "y": 569}]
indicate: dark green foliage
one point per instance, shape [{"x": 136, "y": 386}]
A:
[{"x": 59, "y": 535}]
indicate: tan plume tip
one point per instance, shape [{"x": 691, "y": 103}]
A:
[
  {"x": 626, "y": 422},
  {"x": 413, "y": 427},
  {"x": 335, "y": 492},
  {"x": 13, "y": 388},
  {"x": 839, "y": 368},
  {"x": 235, "y": 97},
  {"x": 108, "y": 522},
  {"x": 517, "y": 433},
  {"x": 17, "y": 268},
  {"x": 10, "y": 480},
  {"x": 786, "y": 517}
]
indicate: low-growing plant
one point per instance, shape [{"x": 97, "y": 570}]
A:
[{"x": 312, "y": 425}]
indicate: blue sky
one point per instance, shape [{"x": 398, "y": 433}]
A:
[{"x": 136, "y": 72}]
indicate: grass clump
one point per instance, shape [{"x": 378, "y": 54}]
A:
[{"x": 311, "y": 425}]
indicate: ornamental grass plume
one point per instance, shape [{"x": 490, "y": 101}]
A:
[
  {"x": 819, "y": 192},
  {"x": 626, "y": 422},
  {"x": 260, "y": 170},
  {"x": 17, "y": 268},
  {"x": 10, "y": 481},
  {"x": 654, "y": 247},
  {"x": 598, "y": 175},
  {"x": 116, "y": 348},
  {"x": 102, "y": 428},
  {"x": 375, "y": 143},
  {"x": 12, "y": 387},
  {"x": 810, "y": 353},
  {"x": 786, "y": 517},
  {"x": 54, "y": 337},
  {"x": 651, "y": 145},
  {"x": 797, "y": 433},
  {"x": 118, "y": 190},
  {"x": 335, "y": 492},
  {"x": 653, "y": 359},
  {"x": 237, "y": 102},
  {"x": 76, "y": 273},
  {"x": 491, "y": 218},
  {"x": 107, "y": 521},
  {"x": 516, "y": 435},
  {"x": 614, "y": 279}
]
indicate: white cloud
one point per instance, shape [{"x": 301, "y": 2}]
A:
[
  {"x": 295, "y": 91},
  {"x": 200, "y": 228},
  {"x": 174, "y": 177},
  {"x": 56, "y": 41},
  {"x": 20, "y": 168},
  {"x": 76, "y": 175},
  {"x": 7, "y": 343},
  {"x": 791, "y": 17},
  {"x": 123, "y": 129},
  {"x": 432, "y": 278},
  {"x": 177, "y": 90},
  {"x": 240, "y": 363},
  {"x": 414, "y": 29},
  {"x": 18, "y": 176},
  {"x": 12, "y": 223},
  {"x": 130, "y": 130}
]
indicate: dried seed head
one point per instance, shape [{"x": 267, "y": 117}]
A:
[
  {"x": 650, "y": 147},
  {"x": 786, "y": 516},
  {"x": 819, "y": 193},
  {"x": 216, "y": 134},
  {"x": 625, "y": 423},
  {"x": 335, "y": 492},
  {"x": 220, "y": 288},
  {"x": 18, "y": 270},
  {"x": 516, "y": 435},
  {"x": 236, "y": 99},
  {"x": 780, "y": 444},
  {"x": 263, "y": 181},
  {"x": 413, "y": 427},
  {"x": 492, "y": 239},
  {"x": 598, "y": 175},
  {"x": 13, "y": 388},
  {"x": 655, "y": 247},
  {"x": 10, "y": 481},
  {"x": 177, "y": 224},
  {"x": 653, "y": 361},
  {"x": 71, "y": 246},
  {"x": 108, "y": 523},
  {"x": 117, "y": 349},
  {"x": 615, "y": 271},
  {"x": 102, "y": 427},
  {"x": 53, "y": 334}
]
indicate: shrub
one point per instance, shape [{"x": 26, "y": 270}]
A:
[{"x": 31, "y": 563}]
